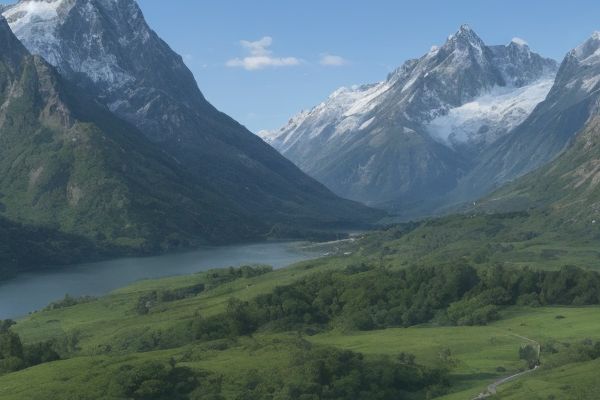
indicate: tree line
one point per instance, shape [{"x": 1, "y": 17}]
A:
[{"x": 364, "y": 297}]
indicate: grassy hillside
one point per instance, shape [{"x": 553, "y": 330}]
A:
[
  {"x": 402, "y": 300},
  {"x": 69, "y": 164},
  {"x": 516, "y": 239},
  {"x": 568, "y": 188},
  {"x": 569, "y": 382}
]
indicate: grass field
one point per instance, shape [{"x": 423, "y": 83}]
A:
[
  {"x": 569, "y": 382},
  {"x": 481, "y": 354},
  {"x": 477, "y": 354}
]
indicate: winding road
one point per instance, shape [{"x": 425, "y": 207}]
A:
[{"x": 492, "y": 389}]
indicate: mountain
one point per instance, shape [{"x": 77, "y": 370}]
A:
[
  {"x": 551, "y": 127},
  {"x": 106, "y": 49},
  {"x": 68, "y": 163},
  {"x": 409, "y": 140},
  {"x": 26, "y": 247},
  {"x": 568, "y": 188}
]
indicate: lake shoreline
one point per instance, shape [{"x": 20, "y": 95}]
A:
[{"x": 31, "y": 291}]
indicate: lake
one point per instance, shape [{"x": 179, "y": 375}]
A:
[{"x": 34, "y": 291}]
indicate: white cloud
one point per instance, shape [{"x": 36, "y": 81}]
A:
[
  {"x": 258, "y": 48},
  {"x": 330, "y": 60},
  {"x": 253, "y": 63},
  {"x": 260, "y": 56}
]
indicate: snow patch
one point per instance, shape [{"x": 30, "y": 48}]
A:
[
  {"x": 267, "y": 136},
  {"x": 26, "y": 12},
  {"x": 367, "y": 123},
  {"x": 589, "y": 52},
  {"x": 519, "y": 42},
  {"x": 344, "y": 111},
  {"x": 364, "y": 101},
  {"x": 490, "y": 115},
  {"x": 36, "y": 21},
  {"x": 591, "y": 83}
]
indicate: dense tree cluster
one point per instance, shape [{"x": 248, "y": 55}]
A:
[
  {"x": 314, "y": 373},
  {"x": 218, "y": 277},
  {"x": 148, "y": 300},
  {"x": 69, "y": 301},
  {"x": 15, "y": 356},
  {"x": 530, "y": 354},
  {"x": 365, "y": 298},
  {"x": 332, "y": 374},
  {"x": 164, "y": 381},
  {"x": 24, "y": 247}
]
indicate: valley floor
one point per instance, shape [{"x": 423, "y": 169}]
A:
[{"x": 99, "y": 339}]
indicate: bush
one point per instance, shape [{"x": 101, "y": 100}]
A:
[
  {"x": 69, "y": 301},
  {"x": 14, "y": 356},
  {"x": 155, "y": 381}
]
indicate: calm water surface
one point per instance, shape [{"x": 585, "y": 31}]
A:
[{"x": 31, "y": 292}]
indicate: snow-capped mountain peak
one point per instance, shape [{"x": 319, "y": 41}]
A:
[
  {"x": 464, "y": 44},
  {"x": 517, "y": 41},
  {"x": 107, "y": 48},
  {"x": 381, "y": 142},
  {"x": 37, "y": 23},
  {"x": 465, "y": 35},
  {"x": 27, "y": 11},
  {"x": 37, "y": 20},
  {"x": 589, "y": 51}
]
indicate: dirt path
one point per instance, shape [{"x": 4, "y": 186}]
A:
[{"x": 493, "y": 388}]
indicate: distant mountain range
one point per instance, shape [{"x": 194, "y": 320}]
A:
[
  {"x": 423, "y": 137},
  {"x": 105, "y": 135}
]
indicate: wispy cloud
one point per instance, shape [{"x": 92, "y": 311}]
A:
[
  {"x": 260, "y": 56},
  {"x": 330, "y": 60}
]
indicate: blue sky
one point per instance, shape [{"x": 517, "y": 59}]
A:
[{"x": 262, "y": 61}]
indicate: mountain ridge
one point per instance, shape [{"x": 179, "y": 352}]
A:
[
  {"x": 377, "y": 143},
  {"x": 549, "y": 130}
]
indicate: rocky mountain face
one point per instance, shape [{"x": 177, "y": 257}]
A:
[
  {"x": 67, "y": 163},
  {"x": 106, "y": 49},
  {"x": 551, "y": 127},
  {"x": 407, "y": 142}
]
